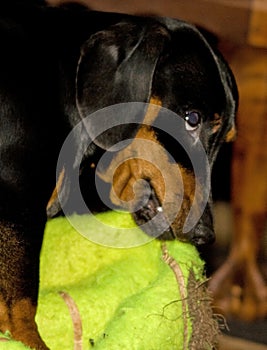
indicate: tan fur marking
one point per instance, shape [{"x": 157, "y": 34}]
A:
[
  {"x": 152, "y": 110},
  {"x": 216, "y": 123},
  {"x": 54, "y": 195},
  {"x": 131, "y": 164},
  {"x": 189, "y": 185},
  {"x": 131, "y": 171},
  {"x": 146, "y": 159},
  {"x": 4, "y": 319},
  {"x": 231, "y": 135},
  {"x": 19, "y": 321}
]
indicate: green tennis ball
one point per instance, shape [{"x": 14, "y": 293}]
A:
[{"x": 148, "y": 297}]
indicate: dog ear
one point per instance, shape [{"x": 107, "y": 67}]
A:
[
  {"x": 229, "y": 85},
  {"x": 117, "y": 66},
  {"x": 228, "y": 132}
]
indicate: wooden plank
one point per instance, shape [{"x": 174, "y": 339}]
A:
[
  {"x": 229, "y": 19},
  {"x": 240, "y": 21},
  {"x": 257, "y": 34}
]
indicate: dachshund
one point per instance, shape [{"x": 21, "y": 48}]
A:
[{"x": 59, "y": 67}]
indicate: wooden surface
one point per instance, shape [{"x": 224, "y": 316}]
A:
[
  {"x": 231, "y": 343},
  {"x": 241, "y": 21},
  {"x": 238, "y": 286},
  {"x": 257, "y": 34}
]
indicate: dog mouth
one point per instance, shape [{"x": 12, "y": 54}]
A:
[
  {"x": 151, "y": 218},
  {"x": 160, "y": 221}
]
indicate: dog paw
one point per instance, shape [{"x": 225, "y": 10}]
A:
[
  {"x": 27, "y": 337},
  {"x": 17, "y": 323},
  {"x": 31, "y": 339},
  {"x": 239, "y": 290}
]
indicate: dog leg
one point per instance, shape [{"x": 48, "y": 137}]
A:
[
  {"x": 25, "y": 185},
  {"x": 19, "y": 265}
]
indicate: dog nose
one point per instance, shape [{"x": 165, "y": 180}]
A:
[
  {"x": 203, "y": 232},
  {"x": 201, "y": 235}
]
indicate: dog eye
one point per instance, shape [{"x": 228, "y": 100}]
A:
[{"x": 192, "y": 120}]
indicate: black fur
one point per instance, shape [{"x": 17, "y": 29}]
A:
[{"x": 50, "y": 56}]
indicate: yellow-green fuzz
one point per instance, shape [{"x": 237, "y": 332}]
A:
[{"x": 127, "y": 298}]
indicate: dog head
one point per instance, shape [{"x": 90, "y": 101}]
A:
[{"x": 178, "y": 99}]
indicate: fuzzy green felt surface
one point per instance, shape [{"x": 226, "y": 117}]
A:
[{"x": 128, "y": 298}]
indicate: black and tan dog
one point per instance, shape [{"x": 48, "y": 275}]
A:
[{"x": 59, "y": 65}]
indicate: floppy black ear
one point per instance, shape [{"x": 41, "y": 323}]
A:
[
  {"x": 227, "y": 132},
  {"x": 116, "y": 66},
  {"x": 228, "y": 81}
]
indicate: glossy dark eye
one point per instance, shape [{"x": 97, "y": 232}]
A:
[{"x": 193, "y": 120}]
